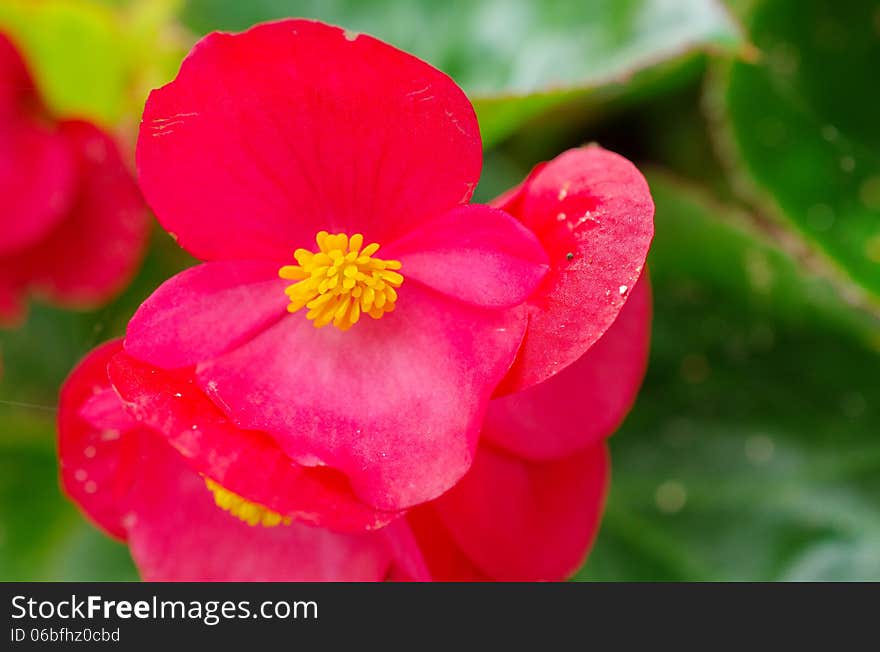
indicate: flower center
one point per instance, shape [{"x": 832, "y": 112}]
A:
[
  {"x": 341, "y": 281},
  {"x": 250, "y": 513}
]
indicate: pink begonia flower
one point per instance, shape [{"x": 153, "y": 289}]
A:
[
  {"x": 74, "y": 226},
  {"x": 139, "y": 471},
  {"x": 355, "y": 314},
  {"x": 153, "y": 461}
]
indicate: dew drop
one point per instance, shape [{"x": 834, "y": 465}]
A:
[
  {"x": 623, "y": 289},
  {"x": 670, "y": 497},
  {"x": 563, "y": 191},
  {"x": 830, "y": 133},
  {"x": 90, "y": 452}
]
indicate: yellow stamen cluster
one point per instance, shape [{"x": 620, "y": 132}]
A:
[
  {"x": 250, "y": 513},
  {"x": 341, "y": 281}
]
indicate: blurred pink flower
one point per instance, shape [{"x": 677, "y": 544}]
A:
[{"x": 73, "y": 224}]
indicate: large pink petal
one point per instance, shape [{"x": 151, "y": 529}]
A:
[
  {"x": 476, "y": 254},
  {"x": 97, "y": 461},
  {"x": 248, "y": 463},
  {"x": 268, "y": 136},
  {"x": 96, "y": 249},
  {"x": 395, "y": 403},
  {"x": 592, "y": 211},
  {"x": 586, "y": 401},
  {"x": 205, "y": 311},
  {"x": 523, "y": 521},
  {"x": 177, "y": 533}
]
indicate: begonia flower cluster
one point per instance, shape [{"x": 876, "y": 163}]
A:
[{"x": 369, "y": 376}]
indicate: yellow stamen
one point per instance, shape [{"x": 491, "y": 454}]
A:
[
  {"x": 250, "y": 513},
  {"x": 341, "y": 281}
]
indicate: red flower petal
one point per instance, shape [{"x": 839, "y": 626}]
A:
[
  {"x": 246, "y": 462},
  {"x": 268, "y": 136},
  {"x": 95, "y": 250},
  {"x": 586, "y": 401},
  {"x": 408, "y": 561},
  {"x": 12, "y": 304},
  {"x": 37, "y": 177},
  {"x": 433, "y": 546},
  {"x": 205, "y": 311},
  {"x": 592, "y": 211},
  {"x": 37, "y": 171},
  {"x": 475, "y": 254},
  {"x": 395, "y": 403},
  {"x": 524, "y": 521},
  {"x": 97, "y": 462},
  {"x": 137, "y": 487},
  {"x": 17, "y": 87},
  {"x": 179, "y": 534}
]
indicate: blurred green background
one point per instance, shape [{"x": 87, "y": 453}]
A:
[{"x": 753, "y": 452}]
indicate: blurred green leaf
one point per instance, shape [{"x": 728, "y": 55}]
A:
[
  {"x": 74, "y": 50},
  {"x": 802, "y": 121},
  {"x": 516, "y": 58},
  {"x": 753, "y": 450},
  {"x": 42, "y": 536},
  {"x": 95, "y": 60}
]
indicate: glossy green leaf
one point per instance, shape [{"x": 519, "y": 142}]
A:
[
  {"x": 752, "y": 452},
  {"x": 802, "y": 121},
  {"x": 516, "y": 58}
]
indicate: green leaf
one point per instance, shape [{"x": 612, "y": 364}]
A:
[
  {"x": 752, "y": 452},
  {"x": 802, "y": 123},
  {"x": 94, "y": 60},
  {"x": 42, "y": 536},
  {"x": 74, "y": 51},
  {"x": 516, "y": 58}
]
